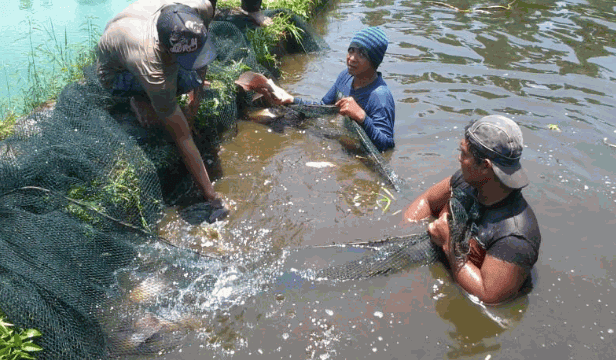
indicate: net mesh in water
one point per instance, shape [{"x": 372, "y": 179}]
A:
[
  {"x": 83, "y": 186},
  {"x": 390, "y": 255},
  {"x": 394, "y": 254}
]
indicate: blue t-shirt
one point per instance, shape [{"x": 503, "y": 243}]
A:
[{"x": 377, "y": 102}]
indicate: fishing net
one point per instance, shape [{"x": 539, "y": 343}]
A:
[
  {"x": 394, "y": 254},
  {"x": 376, "y": 159},
  {"x": 83, "y": 186},
  {"x": 390, "y": 255},
  {"x": 373, "y": 153}
]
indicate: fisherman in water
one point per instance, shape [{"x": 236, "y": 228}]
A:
[
  {"x": 505, "y": 242},
  {"x": 153, "y": 51},
  {"x": 367, "y": 99}
]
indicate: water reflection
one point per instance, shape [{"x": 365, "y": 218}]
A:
[
  {"x": 476, "y": 326},
  {"x": 28, "y": 4}
]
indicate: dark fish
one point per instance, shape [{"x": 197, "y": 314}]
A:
[{"x": 198, "y": 213}]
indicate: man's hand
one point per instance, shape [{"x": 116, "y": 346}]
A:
[
  {"x": 349, "y": 107},
  {"x": 220, "y": 210},
  {"x": 439, "y": 231},
  {"x": 277, "y": 94}
]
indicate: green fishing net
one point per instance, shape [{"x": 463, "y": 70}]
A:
[{"x": 83, "y": 186}]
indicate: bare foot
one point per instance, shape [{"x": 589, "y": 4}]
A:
[{"x": 260, "y": 19}]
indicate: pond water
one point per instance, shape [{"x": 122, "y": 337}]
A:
[
  {"x": 30, "y": 24},
  {"x": 542, "y": 63}
]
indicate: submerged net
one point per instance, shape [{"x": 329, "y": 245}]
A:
[
  {"x": 387, "y": 256},
  {"x": 394, "y": 254},
  {"x": 83, "y": 186},
  {"x": 373, "y": 153}
]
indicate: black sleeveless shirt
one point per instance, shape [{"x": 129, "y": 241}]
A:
[{"x": 507, "y": 230}]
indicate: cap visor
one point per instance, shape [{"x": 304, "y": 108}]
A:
[
  {"x": 198, "y": 59},
  {"x": 513, "y": 177}
]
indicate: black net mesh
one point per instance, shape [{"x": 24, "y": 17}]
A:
[
  {"x": 384, "y": 257},
  {"x": 395, "y": 254},
  {"x": 58, "y": 257},
  {"x": 83, "y": 186}
]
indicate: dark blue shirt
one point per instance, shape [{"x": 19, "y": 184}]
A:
[{"x": 377, "y": 102}]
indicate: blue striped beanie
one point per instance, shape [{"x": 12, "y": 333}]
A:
[{"x": 374, "y": 41}]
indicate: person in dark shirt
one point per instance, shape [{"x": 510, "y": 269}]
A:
[
  {"x": 366, "y": 97},
  {"x": 505, "y": 241}
]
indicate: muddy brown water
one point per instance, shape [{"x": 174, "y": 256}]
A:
[{"x": 541, "y": 63}]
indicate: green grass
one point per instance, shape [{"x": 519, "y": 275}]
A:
[
  {"x": 51, "y": 65},
  {"x": 17, "y": 344},
  {"x": 303, "y": 8},
  {"x": 121, "y": 188},
  {"x": 265, "y": 40}
]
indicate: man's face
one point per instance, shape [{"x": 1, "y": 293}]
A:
[
  {"x": 471, "y": 171},
  {"x": 357, "y": 61}
]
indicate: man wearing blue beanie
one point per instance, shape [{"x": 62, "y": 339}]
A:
[{"x": 366, "y": 97}]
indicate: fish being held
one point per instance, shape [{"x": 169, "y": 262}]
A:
[
  {"x": 264, "y": 87},
  {"x": 252, "y": 81}
]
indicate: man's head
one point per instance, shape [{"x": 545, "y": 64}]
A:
[
  {"x": 185, "y": 34},
  {"x": 372, "y": 42},
  {"x": 499, "y": 140}
]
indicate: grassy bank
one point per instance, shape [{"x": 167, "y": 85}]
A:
[
  {"x": 56, "y": 62},
  {"x": 51, "y": 65}
]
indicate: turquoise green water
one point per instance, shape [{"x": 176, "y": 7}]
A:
[{"x": 26, "y": 26}]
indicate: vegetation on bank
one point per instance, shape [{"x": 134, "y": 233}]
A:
[
  {"x": 56, "y": 62},
  {"x": 16, "y": 344},
  {"x": 266, "y": 39},
  {"x": 51, "y": 65}
]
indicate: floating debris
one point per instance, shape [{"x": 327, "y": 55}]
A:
[
  {"x": 609, "y": 144},
  {"x": 481, "y": 9},
  {"x": 319, "y": 164},
  {"x": 553, "y": 127}
]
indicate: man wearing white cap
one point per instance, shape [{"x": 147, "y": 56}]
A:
[
  {"x": 151, "y": 52},
  {"x": 505, "y": 239}
]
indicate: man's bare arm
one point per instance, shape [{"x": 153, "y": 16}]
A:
[
  {"x": 177, "y": 126},
  {"x": 494, "y": 282},
  {"x": 430, "y": 203}
]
